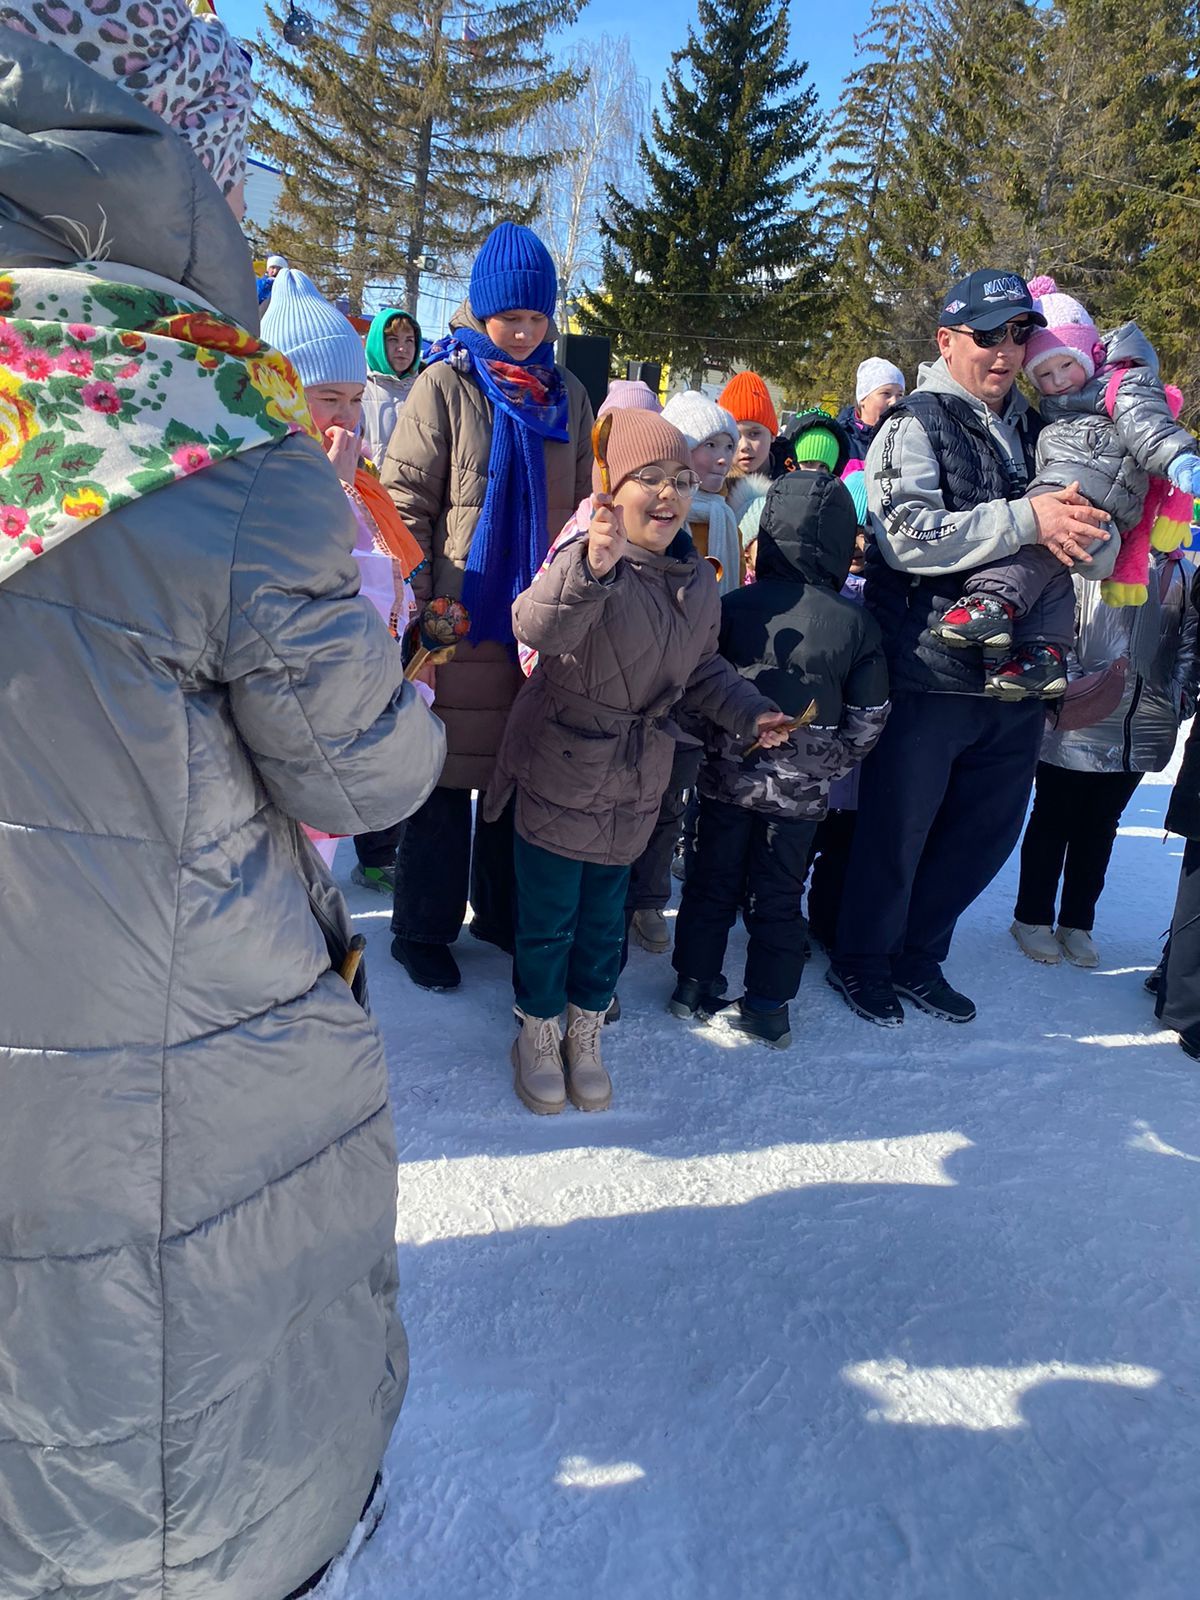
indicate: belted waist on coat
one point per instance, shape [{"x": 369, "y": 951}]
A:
[{"x": 656, "y": 718}]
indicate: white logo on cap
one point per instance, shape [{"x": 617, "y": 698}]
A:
[
  {"x": 955, "y": 305},
  {"x": 1009, "y": 287}
]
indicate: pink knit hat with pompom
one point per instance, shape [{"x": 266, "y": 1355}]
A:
[{"x": 1068, "y": 331}]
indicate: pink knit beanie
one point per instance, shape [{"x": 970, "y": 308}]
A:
[
  {"x": 638, "y": 438},
  {"x": 629, "y": 394},
  {"x": 1068, "y": 331}
]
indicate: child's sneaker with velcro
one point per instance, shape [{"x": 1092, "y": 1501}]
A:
[{"x": 976, "y": 619}]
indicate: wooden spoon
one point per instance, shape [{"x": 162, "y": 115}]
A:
[
  {"x": 600, "y": 435},
  {"x": 806, "y": 717}
]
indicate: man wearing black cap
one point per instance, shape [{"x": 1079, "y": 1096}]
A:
[{"x": 944, "y": 795}]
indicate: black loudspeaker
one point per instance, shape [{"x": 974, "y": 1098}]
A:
[
  {"x": 587, "y": 355},
  {"x": 647, "y": 372}
]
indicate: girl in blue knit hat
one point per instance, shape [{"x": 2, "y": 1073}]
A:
[{"x": 489, "y": 459}]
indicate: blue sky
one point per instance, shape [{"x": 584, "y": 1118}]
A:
[{"x": 656, "y": 27}]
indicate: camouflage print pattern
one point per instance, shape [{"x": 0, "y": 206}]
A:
[{"x": 794, "y": 780}]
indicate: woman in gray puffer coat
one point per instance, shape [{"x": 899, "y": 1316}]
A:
[
  {"x": 1087, "y": 776},
  {"x": 200, "y": 1361}
]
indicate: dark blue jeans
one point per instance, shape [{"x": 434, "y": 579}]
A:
[{"x": 940, "y": 809}]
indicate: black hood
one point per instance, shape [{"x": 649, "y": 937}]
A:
[
  {"x": 807, "y": 531},
  {"x": 87, "y": 171},
  {"x": 821, "y": 419}
]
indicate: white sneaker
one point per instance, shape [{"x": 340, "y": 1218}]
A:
[
  {"x": 588, "y": 1084},
  {"x": 537, "y": 1066},
  {"x": 1037, "y": 941},
  {"x": 1077, "y": 946}
]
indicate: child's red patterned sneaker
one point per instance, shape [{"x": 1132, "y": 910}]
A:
[
  {"x": 976, "y": 619},
  {"x": 1036, "y": 672}
]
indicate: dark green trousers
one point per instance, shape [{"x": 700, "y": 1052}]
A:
[{"x": 570, "y": 931}]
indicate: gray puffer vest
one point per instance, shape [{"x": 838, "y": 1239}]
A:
[{"x": 972, "y": 471}]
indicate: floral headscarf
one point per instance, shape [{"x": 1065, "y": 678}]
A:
[
  {"x": 184, "y": 66},
  {"x": 109, "y": 392}
]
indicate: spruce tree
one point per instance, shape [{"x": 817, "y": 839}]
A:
[
  {"x": 390, "y": 127},
  {"x": 858, "y": 199},
  {"x": 719, "y": 264}
]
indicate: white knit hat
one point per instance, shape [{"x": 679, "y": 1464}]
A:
[
  {"x": 698, "y": 418},
  {"x": 315, "y": 336},
  {"x": 872, "y": 374},
  {"x": 277, "y": 261}
]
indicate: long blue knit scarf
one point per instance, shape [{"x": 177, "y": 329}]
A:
[{"x": 529, "y": 405}]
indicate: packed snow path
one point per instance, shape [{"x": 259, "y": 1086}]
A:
[{"x": 905, "y": 1315}]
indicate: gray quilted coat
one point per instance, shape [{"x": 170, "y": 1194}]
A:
[
  {"x": 1112, "y": 458},
  {"x": 590, "y": 742},
  {"x": 200, "y": 1361},
  {"x": 1159, "y": 640}
]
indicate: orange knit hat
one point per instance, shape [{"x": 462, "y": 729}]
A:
[{"x": 746, "y": 399}]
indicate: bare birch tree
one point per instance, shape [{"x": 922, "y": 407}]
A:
[{"x": 595, "y": 139}]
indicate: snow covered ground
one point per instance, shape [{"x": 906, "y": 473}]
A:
[{"x": 904, "y": 1315}]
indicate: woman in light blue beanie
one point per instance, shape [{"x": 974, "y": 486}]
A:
[
  {"x": 489, "y": 460},
  {"x": 314, "y": 335}
]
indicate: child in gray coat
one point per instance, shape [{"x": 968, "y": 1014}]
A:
[{"x": 1110, "y": 428}]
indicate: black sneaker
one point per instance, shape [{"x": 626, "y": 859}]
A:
[
  {"x": 692, "y": 998},
  {"x": 976, "y": 619},
  {"x": 1153, "y": 982},
  {"x": 873, "y": 999},
  {"x": 772, "y": 1028},
  {"x": 936, "y": 996},
  {"x": 430, "y": 966},
  {"x": 1036, "y": 672}
]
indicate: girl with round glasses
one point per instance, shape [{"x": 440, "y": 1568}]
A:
[{"x": 618, "y": 628}]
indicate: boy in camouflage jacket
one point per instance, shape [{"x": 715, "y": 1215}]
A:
[{"x": 798, "y": 641}]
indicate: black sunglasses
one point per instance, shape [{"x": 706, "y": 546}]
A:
[{"x": 990, "y": 338}]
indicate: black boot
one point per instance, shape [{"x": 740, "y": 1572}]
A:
[
  {"x": 502, "y": 941},
  {"x": 772, "y": 1028},
  {"x": 430, "y": 966},
  {"x": 693, "y": 998}
]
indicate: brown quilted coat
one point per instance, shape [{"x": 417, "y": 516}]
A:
[
  {"x": 436, "y": 471},
  {"x": 590, "y": 741}
]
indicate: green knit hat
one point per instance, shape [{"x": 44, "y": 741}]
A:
[{"x": 817, "y": 444}]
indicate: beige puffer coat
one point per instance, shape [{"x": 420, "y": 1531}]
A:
[
  {"x": 590, "y": 742},
  {"x": 436, "y": 471}
]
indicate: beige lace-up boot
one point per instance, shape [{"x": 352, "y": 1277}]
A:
[
  {"x": 588, "y": 1085},
  {"x": 538, "y": 1066}
]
